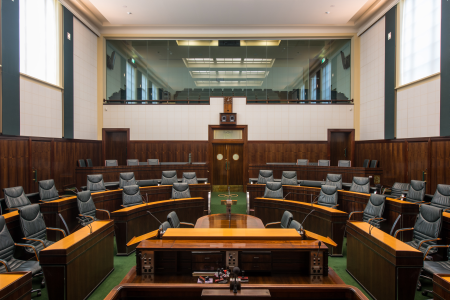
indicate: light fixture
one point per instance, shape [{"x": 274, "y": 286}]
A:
[
  {"x": 327, "y": 12},
  {"x": 129, "y": 12}
]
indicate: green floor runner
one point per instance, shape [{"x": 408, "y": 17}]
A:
[{"x": 123, "y": 264}]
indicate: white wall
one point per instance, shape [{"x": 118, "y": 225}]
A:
[
  {"x": 372, "y": 82},
  {"x": 265, "y": 122},
  {"x": 85, "y": 82},
  {"x": 40, "y": 109},
  {"x": 418, "y": 109}
]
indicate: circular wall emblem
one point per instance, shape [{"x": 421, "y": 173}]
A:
[
  {"x": 235, "y": 156},
  {"x": 219, "y": 156}
]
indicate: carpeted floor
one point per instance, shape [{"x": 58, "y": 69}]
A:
[{"x": 123, "y": 264}]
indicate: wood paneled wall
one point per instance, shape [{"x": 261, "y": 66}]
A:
[
  {"x": 406, "y": 160},
  {"x": 261, "y": 152},
  {"x": 169, "y": 151},
  {"x": 55, "y": 158}
]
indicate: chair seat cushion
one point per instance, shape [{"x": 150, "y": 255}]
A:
[
  {"x": 436, "y": 267},
  {"x": 29, "y": 266}
]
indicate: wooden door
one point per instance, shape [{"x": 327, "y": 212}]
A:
[
  {"x": 220, "y": 164},
  {"x": 40, "y": 163},
  {"x": 235, "y": 169},
  {"x": 115, "y": 144},
  {"x": 340, "y": 147},
  {"x": 418, "y": 162}
]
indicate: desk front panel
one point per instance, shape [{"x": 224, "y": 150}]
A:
[
  {"x": 111, "y": 174},
  {"x": 77, "y": 264},
  {"x": 15, "y": 286}
]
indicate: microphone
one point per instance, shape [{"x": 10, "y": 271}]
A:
[
  {"x": 145, "y": 199},
  {"x": 286, "y": 195},
  {"x": 236, "y": 272},
  {"x": 320, "y": 244},
  {"x": 303, "y": 230},
  {"x": 154, "y": 217}
]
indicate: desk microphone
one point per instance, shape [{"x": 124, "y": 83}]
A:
[
  {"x": 320, "y": 244},
  {"x": 236, "y": 272},
  {"x": 301, "y": 224},
  {"x": 286, "y": 195},
  {"x": 154, "y": 217},
  {"x": 88, "y": 224},
  {"x": 145, "y": 199}
]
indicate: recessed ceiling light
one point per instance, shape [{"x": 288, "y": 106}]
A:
[
  {"x": 129, "y": 12},
  {"x": 124, "y": 6},
  {"x": 327, "y": 12}
]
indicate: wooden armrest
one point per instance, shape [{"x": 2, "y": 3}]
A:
[
  {"x": 424, "y": 241},
  {"x": 6, "y": 265},
  {"x": 354, "y": 212},
  {"x": 433, "y": 246},
  {"x": 12, "y": 208},
  {"x": 109, "y": 216},
  {"x": 57, "y": 229},
  {"x": 335, "y": 206},
  {"x": 400, "y": 230},
  {"x": 29, "y": 246},
  {"x": 446, "y": 209},
  {"x": 273, "y": 223},
  {"x": 36, "y": 240},
  {"x": 190, "y": 224}
]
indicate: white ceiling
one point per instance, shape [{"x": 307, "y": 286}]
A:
[{"x": 230, "y": 12}]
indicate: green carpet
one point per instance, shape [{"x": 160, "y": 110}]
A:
[{"x": 123, "y": 264}]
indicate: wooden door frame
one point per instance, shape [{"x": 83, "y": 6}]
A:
[
  {"x": 104, "y": 131},
  {"x": 352, "y": 143},
  {"x": 243, "y": 141}
]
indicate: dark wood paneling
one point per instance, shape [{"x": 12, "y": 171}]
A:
[
  {"x": 14, "y": 161},
  {"x": 262, "y": 152},
  {"x": 235, "y": 167},
  {"x": 340, "y": 147},
  {"x": 169, "y": 151},
  {"x": 115, "y": 144},
  {"x": 440, "y": 165},
  {"x": 219, "y": 166},
  {"x": 417, "y": 160},
  {"x": 40, "y": 163}
]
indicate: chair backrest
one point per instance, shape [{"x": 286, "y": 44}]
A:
[
  {"x": 360, "y": 185},
  {"x": 89, "y": 162},
  {"x": 153, "y": 161},
  {"x": 47, "y": 190},
  {"x": 86, "y": 205},
  {"x": 111, "y": 163},
  {"x": 7, "y": 244},
  {"x": 441, "y": 197},
  {"x": 126, "y": 179},
  {"x": 313, "y": 164},
  {"x": 428, "y": 224},
  {"x": 131, "y": 195},
  {"x": 286, "y": 219},
  {"x": 132, "y": 162},
  {"x": 169, "y": 177},
  {"x": 302, "y": 162},
  {"x": 180, "y": 190},
  {"x": 15, "y": 197},
  {"x": 95, "y": 183},
  {"x": 334, "y": 179},
  {"x": 323, "y": 163},
  {"x": 328, "y": 196},
  {"x": 374, "y": 209},
  {"x": 296, "y": 225},
  {"x": 81, "y": 163},
  {"x": 416, "y": 191},
  {"x": 289, "y": 178},
  {"x": 344, "y": 163},
  {"x": 265, "y": 176},
  {"x": 366, "y": 163},
  {"x": 32, "y": 224},
  {"x": 164, "y": 226},
  {"x": 373, "y": 163},
  {"x": 189, "y": 178},
  {"x": 173, "y": 220},
  {"x": 273, "y": 190},
  {"x": 143, "y": 163},
  {"x": 398, "y": 189}
]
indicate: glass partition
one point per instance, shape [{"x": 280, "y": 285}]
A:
[{"x": 263, "y": 71}]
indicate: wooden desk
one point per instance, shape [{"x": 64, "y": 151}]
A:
[
  {"x": 441, "y": 286},
  {"x": 130, "y": 291},
  {"x": 111, "y": 174},
  {"x": 317, "y": 173},
  {"x": 77, "y": 264},
  {"x": 325, "y": 221},
  {"x": 134, "y": 221},
  {"x": 385, "y": 266},
  {"x": 221, "y": 221},
  {"x": 349, "y": 202},
  {"x": 15, "y": 286}
]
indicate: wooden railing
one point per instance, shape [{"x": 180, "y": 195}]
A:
[
  {"x": 149, "y": 102},
  {"x": 296, "y": 101}
]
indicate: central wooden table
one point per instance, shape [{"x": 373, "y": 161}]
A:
[{"x": 222, "y": 221}]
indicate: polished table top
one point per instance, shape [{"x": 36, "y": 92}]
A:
[{"x": 221, "y": 221}]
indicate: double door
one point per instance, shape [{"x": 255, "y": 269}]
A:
[{"x": 228, "y": 166}]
